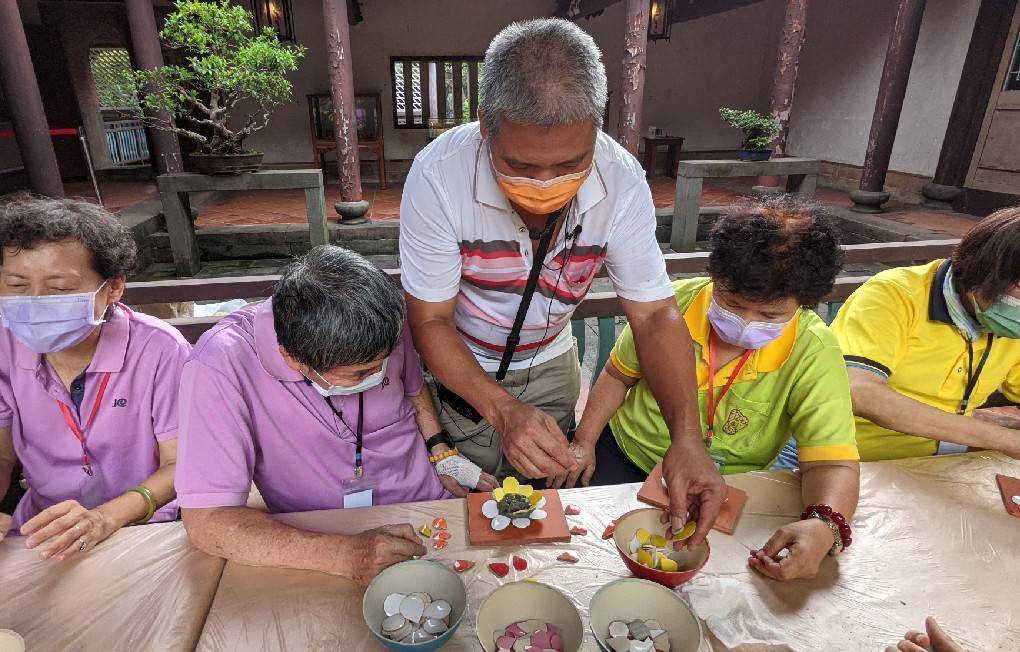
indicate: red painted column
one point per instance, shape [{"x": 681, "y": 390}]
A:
[
  {"x": 351, "y": 206},
  {"x": 21, "y": 90},
  {"x": 635, "y": 45}
]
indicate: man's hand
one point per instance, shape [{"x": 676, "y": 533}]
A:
[
  {"x": 584, "y": 456},
  {"x": 5, "y": 524},
  {"x": 934, "y": 639},
  {"x": 532, "y": 441},
  {"x": 68, "y": 528},
  {"x": 696, "y": 490},
  {"x": 806, "y": 542},
  {"x": 373, "y": 551}
]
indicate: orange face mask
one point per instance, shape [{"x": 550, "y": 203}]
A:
[{"x": 540, "y": 197}]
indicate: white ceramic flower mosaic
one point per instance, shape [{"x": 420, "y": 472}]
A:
[{"x": 514, "y": 503}]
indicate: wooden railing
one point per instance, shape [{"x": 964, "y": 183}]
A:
[{"x": 602, "y": 305}]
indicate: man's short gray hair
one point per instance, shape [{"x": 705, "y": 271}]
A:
[
  {"x": 333, "y": 308},
  {"x": 545, "y": 73}
]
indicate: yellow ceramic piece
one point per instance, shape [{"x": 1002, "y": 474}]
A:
[
  {"x": 687, "y": 532},
  {"x": 657, "y": 540},
  {"x": 426, "y": 531},
  {"x": 642, "y": 535},
  {"x": 535, "y": 498},
  {"x": 526, "y": 490},
  {"x": 667, "y": 564},
  {"x": 645, "y": 558},
  {"x": 511, "y": 485},
  {"x": 498, "y": 494}
]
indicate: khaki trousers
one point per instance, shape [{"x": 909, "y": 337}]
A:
[{"x": 552, "y": 387}]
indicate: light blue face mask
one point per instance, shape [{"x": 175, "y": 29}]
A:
[
  {"x": 324, "y": 387},
  {"x": 51, "y": 323}
]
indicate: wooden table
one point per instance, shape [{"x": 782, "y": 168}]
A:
[
  {"x": 931, "y": 537},
  {"x": 801, "y": 178},
  {"x": 651, "y": 145},
  {"x": 144, "y": 588}
]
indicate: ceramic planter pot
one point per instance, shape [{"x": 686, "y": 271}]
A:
[
  {"x": 226, "y": 163},
  {"x": 754, "y": 154}
]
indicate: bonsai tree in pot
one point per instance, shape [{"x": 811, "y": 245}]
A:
[
  {"x": 225, "y": 92},
  {"x": 759, "y": 130}
]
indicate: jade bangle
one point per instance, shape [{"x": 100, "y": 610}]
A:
[{"x": 150, "y": 502}]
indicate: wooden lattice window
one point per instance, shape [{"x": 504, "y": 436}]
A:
[
  {"x": 435, "y": 92},
  {"x": 111, "y": 69}
]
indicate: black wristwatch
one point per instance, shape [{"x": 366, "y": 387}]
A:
[{"x": 442, "y": 437}]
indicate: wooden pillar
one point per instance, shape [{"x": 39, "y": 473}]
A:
[
  {"x": 351, "y": 206},
  {"x": 899, "y": 58},
  {"x": 21, "y": 91},
  {"x": 784, "y": 82},
  {"x": 978, "y": 77},
  {"x": 148, "y": 55},
  {"x": 635, "y": 45}
]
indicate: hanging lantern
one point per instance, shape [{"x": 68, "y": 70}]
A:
[
  {"x": 276, "y": 14},
  {"x": 660, "y": 19}
]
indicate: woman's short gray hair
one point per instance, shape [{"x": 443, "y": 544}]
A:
[
  {"x": 333, "y": 308},
  {"x": 544, "y": 72}
]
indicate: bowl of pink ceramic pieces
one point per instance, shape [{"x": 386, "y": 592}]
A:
[
  {"x": 528, "y": 616},
  {"x": 634, "y": 615},
  {"x": 657, "y": 562},
  {"x": 415, "y": 605}
]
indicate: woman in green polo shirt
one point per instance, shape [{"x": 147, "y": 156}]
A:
[{"x": 768, "y": 368}]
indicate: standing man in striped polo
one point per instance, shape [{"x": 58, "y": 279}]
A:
[{"x": 537, "y": 180}]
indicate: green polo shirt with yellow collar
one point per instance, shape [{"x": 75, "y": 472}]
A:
[{"x": 794, "y": 386}]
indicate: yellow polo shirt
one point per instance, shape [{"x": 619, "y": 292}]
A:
[
  {"x": 897, "y": 326},
  {"x": 796, "y": 385}
]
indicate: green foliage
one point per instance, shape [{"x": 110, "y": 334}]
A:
[
  {"x": 226, "y": 64},
  {"x": 759, "y": 129}
]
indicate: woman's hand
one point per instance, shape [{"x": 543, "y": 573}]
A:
[
  {"x": 933, "y": 639},
  {"x": 67, "y": 528},
  {"x": 5, "y": 524},
  {"x": 806, "y": 544},
  {"x": 458, "y": 474},
  {"x": 584, "y": 454},
  {"x": 367, "y": 554}
]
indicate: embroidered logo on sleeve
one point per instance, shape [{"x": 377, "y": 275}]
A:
[{"x": 735, "y": 422}]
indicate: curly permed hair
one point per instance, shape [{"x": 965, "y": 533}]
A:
[
  {"x": 27, "y": 222},
  {"x": 776, "y": 249}
]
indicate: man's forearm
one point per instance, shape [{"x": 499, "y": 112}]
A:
[
  {"x": 253, "y": 538},
  {"x": 883, "y": 405},
  {"x": 454, "y": 366},
  {"x": 836, "y": 484},
  {"x": 667, "y": 363}
]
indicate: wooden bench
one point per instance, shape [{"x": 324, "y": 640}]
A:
[{"x": 601, "y": 307}]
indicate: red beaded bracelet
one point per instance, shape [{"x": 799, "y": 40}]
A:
[{"x": 827, "y": 513}]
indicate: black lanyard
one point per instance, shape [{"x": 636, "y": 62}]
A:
[
  {"x": 359, "y": 433},
  {"x": 972, "y": 374}
]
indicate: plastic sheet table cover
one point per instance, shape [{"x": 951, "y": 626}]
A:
[{"x": 144, "y": 588}]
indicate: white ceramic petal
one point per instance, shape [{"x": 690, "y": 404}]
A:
[
  {"x": 538, "y": 515},
  {"x": 540, "y": 504},
  {"x": 490, "y": 509},
  {"x": 500, "y": 522},
  {"x": 521, "y": 523}
]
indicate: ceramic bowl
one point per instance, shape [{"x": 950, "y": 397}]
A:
[
  {"x": 410, "y": 577},
  {"x": 693, "y": 560},
  {"x": 519, "y": 601},
  {"x": 633, "y": 599}
]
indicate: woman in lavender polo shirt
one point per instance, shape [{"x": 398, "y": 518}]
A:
[
  {"x": 88, "y": 388},
  {"x": 317, "y": 397}
]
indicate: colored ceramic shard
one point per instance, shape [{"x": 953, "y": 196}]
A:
[
  {"x": 462, "y": 565},
  {"x": 442, "y": 535},
  {"x": 439, "y": 544},
  {"x": 609, "y": 531},
  {"x": 572, "y": 510},
  {"x": 520, "y": 563},
  {"x": 567, "y": 557},
  {"x": 499, "y": 569},
  {"x": 425, "y": 531},
  {"x": 579, "y": 531},
  {"x": 687, "y": 532},
  {"x": 439, "y": 523}
]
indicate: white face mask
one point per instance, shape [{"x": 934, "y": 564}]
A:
[{"x": 326, "y": 389}]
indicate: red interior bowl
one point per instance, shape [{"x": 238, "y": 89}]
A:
[{"x": 649, "y": 518}]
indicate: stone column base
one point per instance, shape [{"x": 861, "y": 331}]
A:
[
  {"x": 939, "y": 195},
  {"x": 867, "y": 201},
  {"x": 352, "y": 212}
]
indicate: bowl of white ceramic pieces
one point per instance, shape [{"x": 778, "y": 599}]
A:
[
  {"x": 634, "y": 615},
  {"x": 415, "y": 605},
  {"x": 528, "y": 616}
]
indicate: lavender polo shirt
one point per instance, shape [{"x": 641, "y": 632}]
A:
[
  {"x": 145, "y": 357},
  {"x": 246, "y": 415}
]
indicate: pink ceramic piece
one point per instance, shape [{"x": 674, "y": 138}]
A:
[
  {"x": 520, "y": 563},
  {"x": 505, "y": 642},
  {"x": 516, "y": 631},
  {"x": 499, "y": 569},
  {"x": 579, "y": 531},
  {"x": 540, "y": 639},
  {"x": 556, "y": 643},
  {"x": 572, "y": 510}
]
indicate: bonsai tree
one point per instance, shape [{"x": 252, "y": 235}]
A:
[
  {"x": 228, "y": 68},
  {"x": 759, "y": 129}
]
